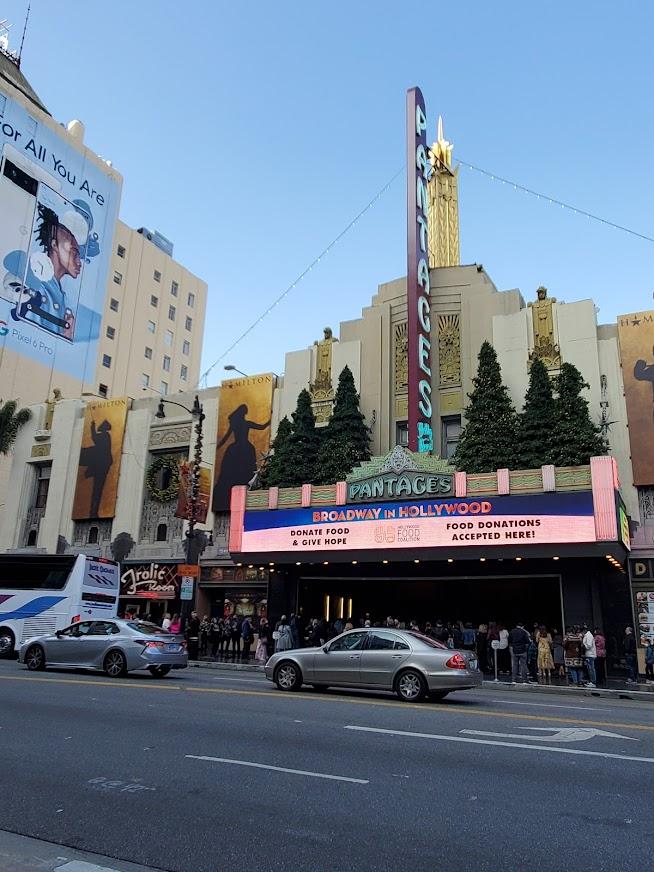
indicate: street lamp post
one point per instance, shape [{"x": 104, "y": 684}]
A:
[{"x": 231, "y": 368}]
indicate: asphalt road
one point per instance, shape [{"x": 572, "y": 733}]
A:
[{"x": 208, "y": 770}]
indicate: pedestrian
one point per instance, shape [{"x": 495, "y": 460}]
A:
[
  {"x": 519, "y": 640},
  {"x": 503, "y": 653},
  {"x": 235, "y": 636},
  {"x": 248, "y": 637},
  {"x": 532, "y": 660},
  {"x": 296, "y": 631},
  {"x": 600, "y": 660},
  {"x": 482, "y": 647},
  {"x": 545, "y": 659},
  {"x": 215, "y": 632},
  {"x": 349, "y": 626},
  {"x": 573, "y": 650},
  {"x": 629, "y": 648},
  {"x": 314, "y": 639},
  {"x": 590, "y": 653},
  {"x": 265, "y": 637},
  {"x": 193, "y": 636},
  {"x": 205, "y": 627},
  {"x": 649, "y": 661},
  {"x": 175, "y": 625},
  {"x": 165, "y": 624},
  {"x": 338, "y": 627},
  {"x": 559, "y": 654},
  {"x": 469, "y": 638},
  {"x": 282, "y": 636}
]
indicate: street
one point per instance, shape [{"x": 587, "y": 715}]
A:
[{"x": 208, "y": 769}]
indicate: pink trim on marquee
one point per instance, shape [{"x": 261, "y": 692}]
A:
[
  {"x": 549, "y": 477},
  {"x": 460, "y": 484},
  {"x": 503, "y": 482},
  {"x": 273, "y": 497},
  {"x": 237, "y": 521},
  {"x": 306, "y": 495},
  {"x": 602, "y": 473},
  {"x": 341, "y": 493}
]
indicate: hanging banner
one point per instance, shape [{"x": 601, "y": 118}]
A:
[
  {"x": 99, "y": 460},
  {"x": 636, "y": 337},
  {"x": 243, "y": 433},
  {"x": 204, "y": 492}
]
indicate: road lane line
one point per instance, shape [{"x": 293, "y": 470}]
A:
[
  {"x": 278, "y": 769},
  {"x": 467, "y": 741},
  {"x": 577, "y": 708},
  {"x": 439, "y": 709}
]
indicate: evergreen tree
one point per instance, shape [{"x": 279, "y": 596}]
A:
[
  {"x": 303, "y": 444},
  {"x": 488, "y": 440},
  {"x": 10, "y": 423},
  {"x": 275, "y": 467},
  {"x": 575, "y": 439},
  {"x": 536, "y": 423},
  {"x": 346, "y": 439}
]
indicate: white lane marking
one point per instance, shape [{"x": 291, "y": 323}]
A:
[
  {"x": 466, "y": 740},
  {"x": 581, "y": 708},
  {"x": 561, "y": 734},
  {"x": 278, "y": 769}
]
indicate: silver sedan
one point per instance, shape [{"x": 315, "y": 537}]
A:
[
  {"x": 408, "y": 663},
  {"x": 115, "y": 646}
]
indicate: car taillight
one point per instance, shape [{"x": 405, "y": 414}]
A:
[
  {"x": 149, "y": 643},
  {"x": 456, "y": 661}
]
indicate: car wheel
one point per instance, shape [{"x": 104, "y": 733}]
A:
[
  {"x": 159, "y": 671},
  {"x": 410, "y": 686},
  {"x": 35, "y": 658},
  {"x": 115, "y": 664},
  {"x": 438, "y": 695},
  {"x": 7, "y": 642},
  {"x": 288, "y": 676}
]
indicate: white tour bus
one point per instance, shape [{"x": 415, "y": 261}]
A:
[{"x": 41, "y": 593}]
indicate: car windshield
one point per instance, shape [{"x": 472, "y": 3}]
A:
[
  {"x": 147, "y": 629},
  {"x": 432, "y": 643}
]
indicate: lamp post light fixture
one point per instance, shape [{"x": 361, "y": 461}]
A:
[{"x": 231, "y": 368}]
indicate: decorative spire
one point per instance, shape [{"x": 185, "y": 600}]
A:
[{"x": 440, "y": 153}]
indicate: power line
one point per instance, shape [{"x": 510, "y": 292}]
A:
[
  {"x": 302, "y": 275},
  {"x": 555, "y": 202}
]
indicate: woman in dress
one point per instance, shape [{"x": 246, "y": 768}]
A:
[
  {"x": 284, "y": 641},
  {"x": 545, "y": 659},
  {"x": 175, "y": 625},
  {"x": 265, "y": 637}
]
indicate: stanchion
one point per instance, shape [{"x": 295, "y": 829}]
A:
[{"x": 495, "y": 645}]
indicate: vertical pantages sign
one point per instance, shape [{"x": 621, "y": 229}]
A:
[{"x": 419, "y": 321}]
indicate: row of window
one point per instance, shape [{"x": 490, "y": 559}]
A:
[
  {"x": 450, "y": 434},
  {"x": 174, "y": 286}
]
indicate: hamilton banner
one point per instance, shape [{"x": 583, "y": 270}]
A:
[
  {"x": 204, "y": 492},
  {"x": 243, "y": 433},
  {"x": 636, "y": 335},
  {"x": 99, "y": 460}
]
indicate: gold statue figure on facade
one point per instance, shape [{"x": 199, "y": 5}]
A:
[{"x": 545, "y": 344}]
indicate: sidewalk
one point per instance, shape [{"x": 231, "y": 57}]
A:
[{"x": 614, "y": 687}]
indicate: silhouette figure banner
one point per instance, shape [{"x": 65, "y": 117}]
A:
[
  {"x": 636, "y": 336},
  {"x": 99, "y": 460}
]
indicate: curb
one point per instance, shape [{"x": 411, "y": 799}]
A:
[
  {"x": 607, "y": 692},
  {"x": 227, "y": 667}
]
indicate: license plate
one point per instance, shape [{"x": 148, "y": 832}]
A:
[{"x": 173, "y": 648}]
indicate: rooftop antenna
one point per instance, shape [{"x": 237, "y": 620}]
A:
[
  {"x": 22, "y": 39},
  {"x": 4, "y": 41}
]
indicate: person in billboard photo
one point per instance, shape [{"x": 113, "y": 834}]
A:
[
  {"x": 97, "y": 459},
  {"x": 645, "y": 372},
  {"x": 240, "y": 460}
]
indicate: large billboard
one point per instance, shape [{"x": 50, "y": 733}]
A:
[
  {"x": 244, "y": 412},
  {"x": 57, "y": 215},
  {"x": 636, "y": 336},
  {"x": 99, "y": 460},
  {"x": 541, "y": 519}
]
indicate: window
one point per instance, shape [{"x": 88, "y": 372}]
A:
[
  {"x": 120, "y": 251},
  {"x": 402, "y": 433},
  {"x": 145, "y": 380},
  {"x": 174, "y": 288},
  {"x": 183, "y": 372},
  {"x": 191, "y": 300},
  {"x": 152, "y": 326},
  {"x": 118, "y": 278},
  {"x": 42, "y": 487},
  {"x": 103, "y": 390},
  {"x": 49, "y": 573},
  {"x": 113, "y": 305},
  {"x": 186, "y": 347},
  {"x": 93, "y": 536},
  {"x": 31, "y": 538},
  {"x": 111, "y": 332},
  {"x": 379, "y": 641},
  {"x": 171, "y": 313},
  {"x": 148, "y": 352},
  {"x": 154, "y": 301},
  {"x": 166, "y": 363},
  {"x": 103, "y": 628},
  {"x": 189, "y": 324},
  {"x": 157, "y": 276},
  {"x": 162, "y": 532},
  {"x": 106, "y": 361},
  {"x": 351, "y": 642},
  {"x": 168, "y": 338},
  {"x": 450, "y": 435},
  {"x": 163, "y": 388}
]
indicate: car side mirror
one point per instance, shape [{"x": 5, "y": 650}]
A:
[
  {"x": 326, "y": 649},
  {"x": 58, "y": 634}
]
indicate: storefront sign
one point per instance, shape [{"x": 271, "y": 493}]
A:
[
  {"x": 418, "y": 302},
  {"x": 541, "y": 519},
  {"x": 645, "y": 616},
  {"x": 390, "y": 486},
  {"x": 186, "y": 588},
  {"x": 150, "y": 581}
]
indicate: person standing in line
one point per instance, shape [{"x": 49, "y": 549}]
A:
[
  {"x": 205, "y": 628},
  {"x": 235, "y": 634},
  {"x": 559, "y": 655},
  {"x": 296, "y": 631},
  {"x": 175, "y": 625},
  {"x": 248, "y": 637},
  {"x": 574, "y": 655},
  {"x": 482, "y": 647},
  {"x": 263, "y": 645},
  {"x": 214, "y": 636},
  {"x": 649, "y": 662},
  {"x": 503, "y": 653},
  {"x": 590, "y": 653},
  {"x": 284, "y": 640},
  {"x": 165, "y": 624},
  {"x": 600, "y": 659},
  {"x": 193, "y": 636},
  {"x": 629, "y": 648},
  {"x": 519, "y": 640},
  {"x": 469, "y": 637},
  {"x": 545, "y": 660}
]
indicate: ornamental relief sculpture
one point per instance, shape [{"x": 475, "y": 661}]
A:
[
  {"x": 322, "y": 389},
  {"x": 401, "y": 358},
  {"x": 542, "y": 316},
  {"x": 449, "y": 350}
]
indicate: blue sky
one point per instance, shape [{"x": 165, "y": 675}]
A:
[{"x": 250, "y": 134}]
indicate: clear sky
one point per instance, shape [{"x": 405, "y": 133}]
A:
[{"x": 251, "y": 133}]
